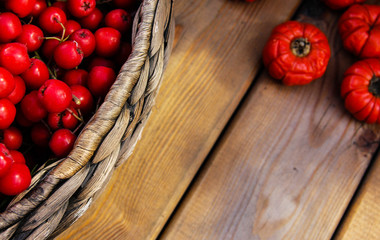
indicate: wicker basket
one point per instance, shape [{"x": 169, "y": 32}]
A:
[{"x": 61, "y": 192}]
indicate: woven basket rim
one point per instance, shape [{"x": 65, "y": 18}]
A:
[{"x": 103, "y": 121}]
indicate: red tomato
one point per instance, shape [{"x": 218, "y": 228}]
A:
[
  {"x": 361, "y": 90},
  {"x": 340, "y": 4},
  {"x": 296, "y": 53},
  {"x": 16, "y": 180},
  {"x": 359, "y": 28}
]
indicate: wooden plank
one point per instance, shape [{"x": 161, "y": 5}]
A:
[
  {"x": 363, "y": 218},
  {"x": 212, "y": 66},
  {"x": 288, "y": 164}
]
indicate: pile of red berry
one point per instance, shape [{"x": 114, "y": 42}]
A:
[{"x": 58, "y": 60}]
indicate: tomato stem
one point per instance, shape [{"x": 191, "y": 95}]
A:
[
  {"x": 300, "y": 47},
  {"x": 374, "y": 86}
]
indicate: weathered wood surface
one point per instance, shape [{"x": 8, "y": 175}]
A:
[
  {"x": 287, "y": 165},
  {"x": 363, "y": 218},
  {"x": 215, "y": 60}
]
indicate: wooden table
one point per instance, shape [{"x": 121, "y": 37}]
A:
[{"x": 229, "y": 153}]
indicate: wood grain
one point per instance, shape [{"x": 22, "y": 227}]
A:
[
  {"x": 363, "y": 218},
  {"x": 288, "y": 164},
  {"x": 216, "y": 57}
]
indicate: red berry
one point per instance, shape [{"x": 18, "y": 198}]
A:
[
  {"x": 6, "y": 160},
  {"x": 62, "y": 142},
  {"x": 107, "y": 41},
  {"x": 21, "y": 7},
  {"x": 48, "y": 48},
  {"x": 51, "y": 19},
  {"x": 14, "y": 57},
  {"x": 16, "y": 180},
  {"x": 40, "y": 135},
  {"x": 63, "y": 6},
  {"x": 65, "y": 119},
  {"x": 55, "y": 95},
  {"x": 80, "y": 8},
  {"x": 76, "y": 77},
  {"x": 123, "y": 54},
  {"x": 17, "y": 156},
  {"x": 18, "y": 92},
  {"x": 68, "y": 55},
  {"x": 83, "y": 99},
  {"x": 99, "y": 61},
  {"x": 93, "y": 20},
  {"x": 32, "y": 108},
  {"x": 36, "y": 75},
  {"x": 10, "y": 27},
  {"x": 118, "y": 19},
  {"x": 32, "y": 36},
  {"x": 21, "y": 119},
  {"x": 70, "y": 27},
  {"x": 7, "y": 113},
  {"x": 12, "y": 138},
  {"x": 126, "y": 4},
  {"x": 85, "y": 39},
  {"x": 38, "y": 8},
  {"x": 7, "y": 83},
  {"x": 100, "y": 80}
]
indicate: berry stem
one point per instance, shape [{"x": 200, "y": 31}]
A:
[
  {"x": 55, "y": 38},
  {"x": 78, "y": 127},
  {"x": 63, "y": 32},
  {"x": 76, "y": 100},
  {"x": 47, "y": 126},
  {"x": 79, "y": 118}
]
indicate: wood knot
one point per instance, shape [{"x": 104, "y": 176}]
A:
[{"x": 367, "y": 141}]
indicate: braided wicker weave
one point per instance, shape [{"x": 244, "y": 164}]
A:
[{"x": 61, "y": 192}]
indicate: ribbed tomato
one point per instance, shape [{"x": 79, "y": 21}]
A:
[
  {"x": 340, "y": 4},
  {"x": 361, "y": 90},
  {"x": 359, "y": 28},
  {"x": 296, "y": 53}
]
